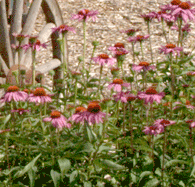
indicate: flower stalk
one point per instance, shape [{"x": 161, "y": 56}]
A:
[
  {"x": 131, "y": 126},
  {"x": 191, "y": 145},
  {"x": 84, "y": 45},
  {"x": 164, "y": 32},
  {"x": 151, "y": 52},
  {"x": 75, "y": 91},
  {"x": 33, "y": 67},
  {"x": 99, "y": 86},
  {"x": 163, "y": 158},
  {"x": 64, "y": 48},
  {"x": 142, "y": 50}
]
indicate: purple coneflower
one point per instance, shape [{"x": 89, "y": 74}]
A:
[
  {"x": 35, "y": 44},
  {"x": 162, "y": 15},
  {"x": 114, "y": 71},
  {"x": 118, "y": 49},
  {"x": 39, "y": 96},
  {"x": 174, "y": 4},
  {"x": 184, "y": 11},
  {"x": 148, "y": 17},
  {"x": 3, "y": 131},
  {"x": 92, "y": 115},
  {"x": 121, "y": 96},
  {"x": 151, "y": 95},
  {"x": 187, "y": 105},
  {"x": 117, "y": 85},
  {"x": 164, "y": 122},
  {"x": 171, "y": 48},
  {"x": 130, "y": 32},
  {"x": 20, "y": 37},
  {"x": 13, "y": 94},
  {"x": 191, "y": 123},
  {"x": 28, "y": 91},
  {"x": 124, "y": 97},
  {"x": 20, "y": 110},
  {"x": 85, "y": 14},
  {"x": 80, "y": 109},
  {"x": 138, "y": 38},
  {"x": 104, "y": 59},
  {"x": 185, "y": 28},
  {"x": 63, "y": 29},
  {"x": 131, "y": 97},
  {"x": 154, "y": 129},
  {"x": 58, "y": 120},
  {"x": 190, "y": 73},
  {"x": 145, "y": 66}
]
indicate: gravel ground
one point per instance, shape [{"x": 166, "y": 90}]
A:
[{"x": 114, "y": 16}]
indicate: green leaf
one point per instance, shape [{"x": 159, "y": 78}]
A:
[
  {"x": 7, "y": 171},
  {"x": 100, "y": 184},
  {"x": 144, "y": 174},
  {"x": 174, "y": 162},
  {"x": 55, "y": 177},
  {"x": 100, "y": 129},
  {"x": 31, "y": 175},
  {"x": 65, "y": 165},
  {"x": 91, "y": 135},
  {"x": 87, "y": 184},
  {"x": 152, "y": 183},
  {"x": 112, "y": 165},
  {"x": 193, "y": 170},
  {"x": 182, "y": 183},
  {"x": 88, "y": 148},
  {"x": 27, "y": 167},
  {"x": 104, "y": 148},
  {"x": 6, "y": 119},
  {"x": 143, "y": 148},
  {"x": 134, "y": 178},
  {"x": 93, "y": 80},
  {"x": 73, "y": 176}
]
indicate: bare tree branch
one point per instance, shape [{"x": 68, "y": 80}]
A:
[
  {"x": 46, "y": 32},
  {"x": 5, "y": 47},
  {"x": 52, "y": 64}
]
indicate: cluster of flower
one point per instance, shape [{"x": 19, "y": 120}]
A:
[{"x": 91, "y": 115}]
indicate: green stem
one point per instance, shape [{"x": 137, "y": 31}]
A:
[
  {"x": 179, "y": 22},
  {"x": 41, "y": 107},
  {"x": 99, "y": 86},
  {"x": 144, "y": 79},
  {"x": 7, "y": 155},
  {"x": 121, "y": 64},
  {"x": 52, "y": 146},
  {"x": 75, "y": 91},
  {"x": 133, "y": 50},
  {"x": 124, "y": 113},
  {"x": 84, "y": 45},
  {"x": 33, "y": 67},
  {"x": 172, "y": 77},
  {"x": 163, "y": 28},
  {"x": 153, "y": 150},
  {"x": 151, "y": 52},
  {"x": 45, "y": 108},
  {"x": 117, "y": 111},
  {"x": 19, "y": 68},
  {"x": 94, "y": 48},
  {"x": 163, "y": 160},
  {"x": 131, "y": 126},
  {"x": 64, "y": 47},
  {"x": 142, "y": 50},
  {"x": 191, "y": 145},
  {"x": 58, "y": 140}
]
